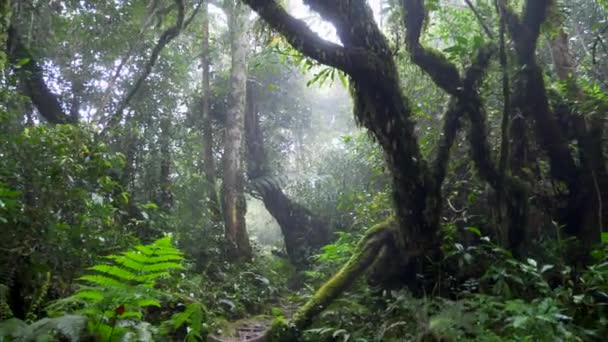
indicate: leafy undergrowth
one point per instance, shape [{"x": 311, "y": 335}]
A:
[
  {"x": 511, "y": 300},
  {"x": 150, "y": 293}
]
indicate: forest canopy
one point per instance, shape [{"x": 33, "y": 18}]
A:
[{"x": 303, "y": 170}]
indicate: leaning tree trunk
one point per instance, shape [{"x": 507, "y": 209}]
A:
[
  {"x": 208, "y": 161},
  {"x": 303, "y": 231},
  {"x": 234, "y": 203}
]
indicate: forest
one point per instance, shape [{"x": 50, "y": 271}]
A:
[{"x": 303, "y": 170}]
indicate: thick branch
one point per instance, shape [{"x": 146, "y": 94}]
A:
[
  {"x": 366, "y": 253},
  {"x": 302, "y": 38},
  {"x": 525, "y": 30},
  {"x": 31, "y": 75},
  {"x": 533, "y": 99},
  {"x": 443, "y": 73},
  {"x": 456, "y": 110}
]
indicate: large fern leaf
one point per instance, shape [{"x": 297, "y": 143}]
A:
[{"x": 123, "y": 286}]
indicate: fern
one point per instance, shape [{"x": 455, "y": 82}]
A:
[{"x": 122, "y": 288}]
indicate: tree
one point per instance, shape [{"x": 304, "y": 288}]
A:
[
  {"x": 303, "y": 231},
  {"x": 366, "y": 57},
  {"x": 208, "y": 161},
  {"x": 234, "y": 203}
]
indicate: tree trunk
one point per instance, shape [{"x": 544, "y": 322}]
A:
[
  {"x": 303, "y": 232},
  {"x": 585, "y": 216},
  {"x": 208, "y": 162},
  {"x": 234, "y": 204},
  {"x": 166, "y": 195}
]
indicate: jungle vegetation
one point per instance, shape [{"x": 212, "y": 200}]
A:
[{"x": 320, "y": 170}]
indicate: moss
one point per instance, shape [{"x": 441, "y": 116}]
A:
[
  {"x": 366, "y": 252},
  {"x": 281, "y": 331},
  {"x": 5, "y": 309}
]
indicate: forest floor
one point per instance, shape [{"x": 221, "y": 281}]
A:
[{"x": 250, "y": 329}]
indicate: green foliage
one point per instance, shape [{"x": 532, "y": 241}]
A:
[
  {"x": 193, "y": 318},
  {"x": 233, "y": 291},
  {"x": 70, "y": 327},
  {"x": 511, "y": 300},
  {"x": 123, "y": 289},
  {"x": 57, "y": 199}
]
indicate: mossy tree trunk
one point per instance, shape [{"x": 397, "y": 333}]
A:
[
  {"x": 233, "y": 195},
  {"x": 380, "y": 106},
  {"x": 303, "y": 231},
  {"x": 582, "y": 217}
]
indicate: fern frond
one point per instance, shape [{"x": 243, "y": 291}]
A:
[
  {"x": 101, "y": 280},
  {"x": 89, "y": 294},
  {"x": 131, "y": 314},
  {"x": 150, "y": 259},
  {"x": 150, "y": 277},
  {"x": 163, "y": 266},
  {"x": 115, "y": 271},
  {"x": 147, "y": 302},
  {"x": 128, "y": 262}
]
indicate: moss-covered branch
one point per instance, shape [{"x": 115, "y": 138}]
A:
[
  {"x": 437, "y": 66},
  {"x": 303, "y": 39},
  {"x": 368, "y": 249}
]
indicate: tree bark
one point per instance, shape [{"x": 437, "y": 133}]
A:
[
  {"x": 208, "y": 161},
  {"x": 303, "y": 231},
  {"x": 234, "y": 203}
]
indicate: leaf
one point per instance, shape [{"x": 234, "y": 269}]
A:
[
  {"x": 23, "y": 61},
  {"x": 275, "y": 40},
  {"x": 343, "y": 79},
  {"x": 148, "y": 302},
  {"x": 115, "y": 271},
  {"x": 474, "y": 230},
  {"x": 519, "y": 321},
  {"x": 71, "y": 326},
  {"x": 101, "y": 280},
  {"x": 13, "y": 327},
  {"x": 546, "y": 268},
  {"x": 228, "y": 302},
  {"x": 89, "y": 294}
]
